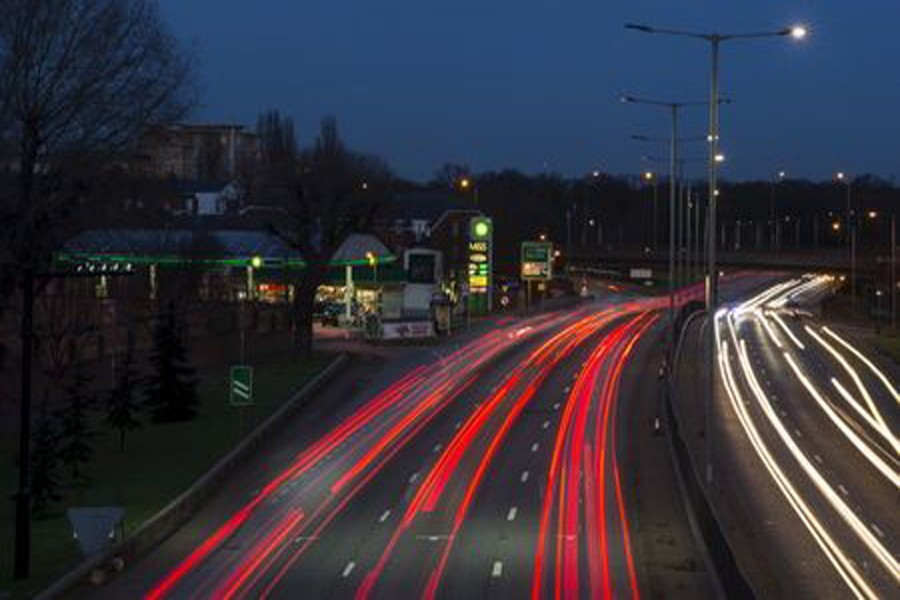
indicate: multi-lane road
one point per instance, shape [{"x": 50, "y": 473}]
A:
[
  {"x": 522, "y": 460},
  {"x": 804, "y": 453},
  {"x": 489, "y": 469}
]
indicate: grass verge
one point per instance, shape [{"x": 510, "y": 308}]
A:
[{"x": 159, "y": 462}]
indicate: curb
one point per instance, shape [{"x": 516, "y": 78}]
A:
[{"x": 178, "y": 511}]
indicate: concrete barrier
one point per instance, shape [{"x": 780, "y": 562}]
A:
[
  {"x": 176, "y": 513},
  {"x": 729, "y": 577}
]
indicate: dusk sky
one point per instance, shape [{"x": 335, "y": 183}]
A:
[{"x": 534, "y": 84}]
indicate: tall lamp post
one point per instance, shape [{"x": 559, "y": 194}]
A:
[
  {"x": 649, "y": 177},
  {"x": 715, "y": 41},
  {"x": 773, "y": 214},
  {"x": 673, "y": 108},
  {"x": 682, "y": 221},
  {"x": 466, "y": 184},
  {"x": 892, "y": 268},
  {"x": 665, "y": 140},
  {"x": 842, "y": 177}
]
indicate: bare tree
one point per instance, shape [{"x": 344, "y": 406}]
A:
[
  {"x": 277, "y": 140},
  {"x": 80, "y": 81},
  {"x": 332, "y": 193},
  {"x": 449, "y": 175}
]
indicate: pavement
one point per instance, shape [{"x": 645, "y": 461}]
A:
[
  {"x": 516, "y": 459},
  {"x": 805, "y": 483}
]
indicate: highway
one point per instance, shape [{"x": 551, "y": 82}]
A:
[
  {"x": 494, "y": 470},
  {"x": 804, "y": 449}
]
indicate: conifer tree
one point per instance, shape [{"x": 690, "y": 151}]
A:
[
  {"x": 45, "y": 478},
  {"x": 171, "y": 393},
  {"x": 74, "y": 418},
  {"x": 122, "y": 407}
]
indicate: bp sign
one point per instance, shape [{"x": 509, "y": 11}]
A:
[
  {"x": 481, "y": 232},
  {"x": 481, "y": 235},
  {"x": 537, "y": 260},
  {"x": 241, "y": 385}
]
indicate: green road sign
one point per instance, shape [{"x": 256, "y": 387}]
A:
[
  {"x": 537, "y": 260},
  {"x": 241, "y": 385}
]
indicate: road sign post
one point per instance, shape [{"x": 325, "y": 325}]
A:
[
  {"x": 537, "y": 265},
  {"x": 241, "y": 385}
]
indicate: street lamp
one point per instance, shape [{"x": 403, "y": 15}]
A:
[
  {"x": 797, "y": 32},
  {"x": 672, "y": 108},
  {"x": 892, "y": 275},
  {"x": 843, "y": 178},
  {"x": 651, "y": 179},
  {"x": 773, "y": 183},
  {"x": 466, "y": 184}
]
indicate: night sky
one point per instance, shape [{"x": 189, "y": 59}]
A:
[{"x": 534, "y": 85}]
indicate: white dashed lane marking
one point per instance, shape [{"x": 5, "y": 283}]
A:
[
  {"x": 384, "y": 516},
  {"x": 511, "y": 515},
  {"x": 497, "y": 571},
  {"x": 348, "y": 569},
  {"x": 534, "y": 447},
  {"x": 524, "y": 477}
]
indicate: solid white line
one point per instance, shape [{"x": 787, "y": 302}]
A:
[
  {"x": 511, "y": 516},
  {"x": 348, "y": 569},
  {"x": 524, "y": 477},
  {"x": 497, "y": 571},
  {"x": 384, "y": 516}
]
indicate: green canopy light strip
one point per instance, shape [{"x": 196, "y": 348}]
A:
[{"x": 256, "y": 262}]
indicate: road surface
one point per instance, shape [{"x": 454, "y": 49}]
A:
[
  {"x": 804, "y": 453},
  {"x": 494, "y": 469}
]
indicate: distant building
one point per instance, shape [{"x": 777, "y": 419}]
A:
[
  {"x": 433, "y": 218},
  {"x": 198, "y": 152}
]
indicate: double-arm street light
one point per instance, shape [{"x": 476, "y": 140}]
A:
[
  {"x": 715, "y": 41},
  {"x": 683, "y": 228},
  {"x": 673, "y": 108}
]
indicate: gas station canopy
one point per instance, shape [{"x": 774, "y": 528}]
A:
[{"x": 214, "y": 248}]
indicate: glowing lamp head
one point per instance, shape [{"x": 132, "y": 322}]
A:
[
  {"x": 465, "y": 183},
  {"x": 799, "y": 32},
  {"x": 720, "y": 158},
  {"x": 873, "y": 214},
  {"x": 836, "y": 226},
  {"x": 256, "y": 262},
  {"x": 648, "y": 176}
]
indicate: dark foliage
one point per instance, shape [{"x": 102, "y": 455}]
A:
[
  {"x": 74, "y": 419},
  {"x": 171, "y": 392},
  {"x": 122, "y": 406},
  {"x": 45, "y": 463}
]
